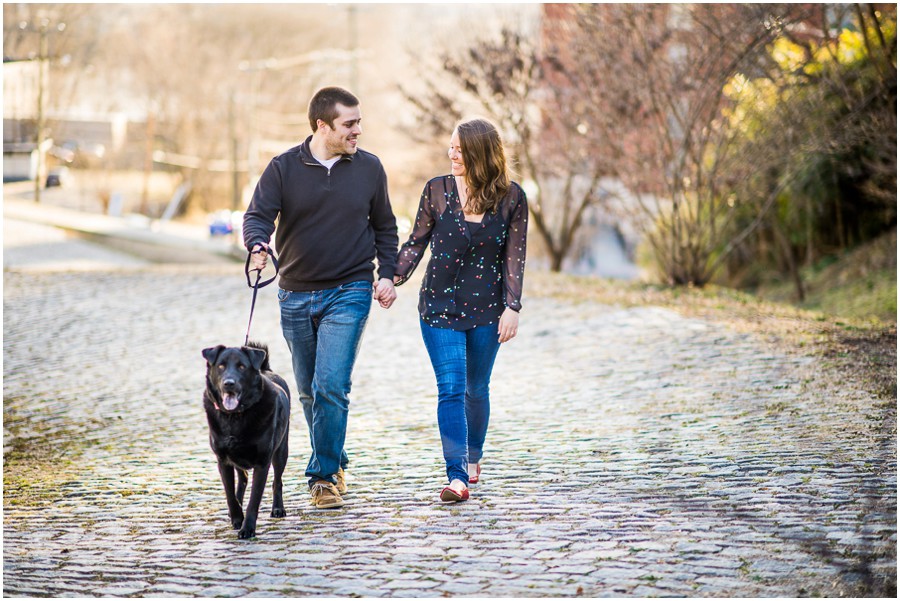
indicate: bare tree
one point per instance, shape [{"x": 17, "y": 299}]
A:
[
  {"x": 665, "y": 82},
  {"x": 69, "y": 39},
  {"x": 635, "y": 92},
  {"x": 656, "y": 75},
  {"x": 180, "y": 65},
  {"x": 509, "y": 81}
]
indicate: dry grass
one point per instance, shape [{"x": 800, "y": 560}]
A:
[{"x": 863, "y": 352}]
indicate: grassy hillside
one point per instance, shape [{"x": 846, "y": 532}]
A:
[{"x": 860, "y": 285}]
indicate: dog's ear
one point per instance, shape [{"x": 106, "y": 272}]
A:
[
  {"x": 257, "y": 356},
  {"x": 212, "y": 353}
]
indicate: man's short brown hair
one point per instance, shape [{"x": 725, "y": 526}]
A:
[{"x": 324, "y": 105}]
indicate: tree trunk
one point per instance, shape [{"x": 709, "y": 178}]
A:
[
  {"x": 150, "y": 135},
  {"x": 556, "y": 260},
  {"x": 784, "y": 243}
]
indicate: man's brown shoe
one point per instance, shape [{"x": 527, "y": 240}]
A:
[
  {"x": 325, "y": 495},
  {"x": 341, "y": 478}
]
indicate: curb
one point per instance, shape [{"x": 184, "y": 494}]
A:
[{"x": 151, "y": 240}]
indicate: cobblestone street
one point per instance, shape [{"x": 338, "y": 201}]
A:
[{"x": 631, "y": 453}]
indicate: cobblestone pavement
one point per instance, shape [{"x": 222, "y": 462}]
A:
[{"x": 632, "y": 453}]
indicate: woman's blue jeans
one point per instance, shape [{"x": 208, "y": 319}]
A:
[
  {"x": 323, "y": 330},
  {"x": 462, "y": 362}
]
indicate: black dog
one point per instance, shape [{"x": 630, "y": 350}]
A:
[{"x": 248, "y": 409}]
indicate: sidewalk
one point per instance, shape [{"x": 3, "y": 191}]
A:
[
  {"x": 153, "y": 240},
  {"x": 631, "y": 453}
]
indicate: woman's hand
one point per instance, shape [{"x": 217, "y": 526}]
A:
[
  {"x": 384, "y": 293},
  {"x": 509, "y": 325}
]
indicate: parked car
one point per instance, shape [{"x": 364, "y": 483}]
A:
[
  {"x": 58, "y": 176},
  {"x": 225, "y": 222}
]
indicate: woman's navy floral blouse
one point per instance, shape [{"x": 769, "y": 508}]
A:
[{"x": 472, "y": 276}]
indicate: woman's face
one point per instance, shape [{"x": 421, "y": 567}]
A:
[{"x": 457, "y": 167}]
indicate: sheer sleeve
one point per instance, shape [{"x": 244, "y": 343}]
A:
[
  {"x": 412, "y": 250},
  {"x": 514, "y": 261}
]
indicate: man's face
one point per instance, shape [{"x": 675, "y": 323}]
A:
[{"x": 342, "y": 138}]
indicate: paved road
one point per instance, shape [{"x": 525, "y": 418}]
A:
[{"x": 632, "y": 452}]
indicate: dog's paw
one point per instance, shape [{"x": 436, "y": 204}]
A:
[
  {"x": 236, "y": 523},
  {"x": 278, "y": 512},
  {"x": 246, "y": 533}
]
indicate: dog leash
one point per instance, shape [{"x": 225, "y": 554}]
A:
[{"x": 257, "y": 285}]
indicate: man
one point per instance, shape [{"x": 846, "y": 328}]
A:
[{"x": 334, "y": 218}]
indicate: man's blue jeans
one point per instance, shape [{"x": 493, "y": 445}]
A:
[
  {"x": 323, "y": 330},
  {"x": 462, "y": 362}
]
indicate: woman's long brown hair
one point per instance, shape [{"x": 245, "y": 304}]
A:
[{"x": 486, "y": 177}]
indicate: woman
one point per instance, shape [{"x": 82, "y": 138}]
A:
[{"x": 475, "y": 219}]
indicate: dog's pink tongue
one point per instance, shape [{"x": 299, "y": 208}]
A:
[{"x": 230, "y": 402}]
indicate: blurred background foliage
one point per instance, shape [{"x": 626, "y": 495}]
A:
[
  {"x": 830, "y": 110},
  {"x": 746, "y": 145}
]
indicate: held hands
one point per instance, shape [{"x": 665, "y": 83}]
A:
[
  {"x": 509, "y": 325},
  {"x": 384, "y": 293}
]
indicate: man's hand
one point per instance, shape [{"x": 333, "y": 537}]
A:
[
  {"x": 509, "y": 325},
  {"x": 258, "y": 259},
  {"x": 385, "y": 293}
]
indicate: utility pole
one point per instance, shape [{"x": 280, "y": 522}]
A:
[
  {"x": 353, "y": 14},
  {"x": 232, "y": 133},
  {"x": 43, "y": 58},
  {"x": 43, "y": 51}
]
